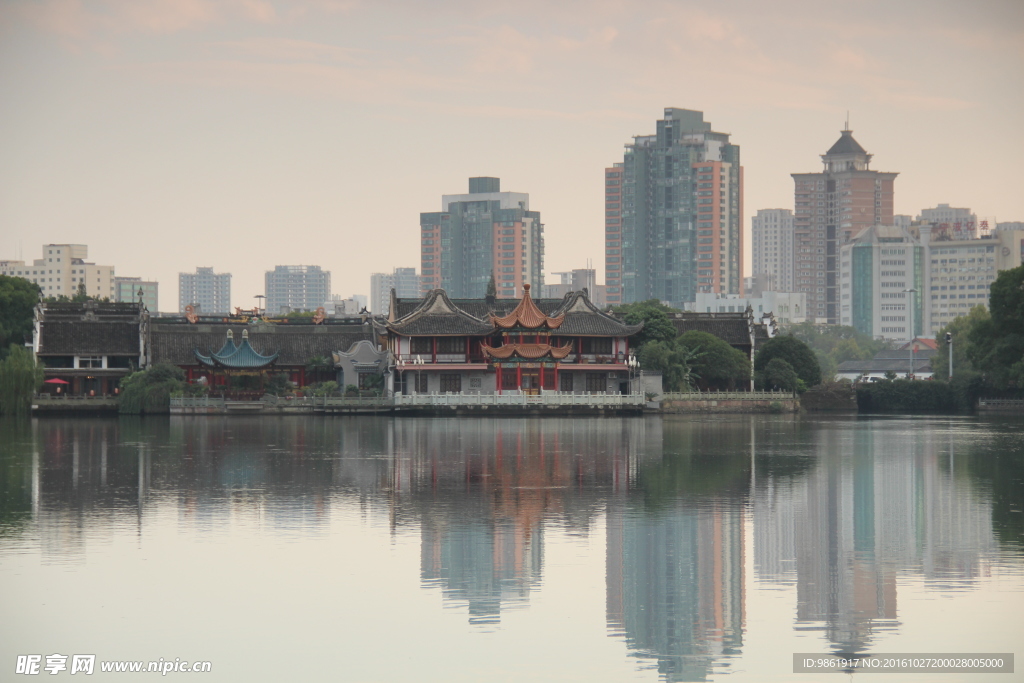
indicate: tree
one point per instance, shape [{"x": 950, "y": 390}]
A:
[
  {"x": 492, "y": 288},
  {"x": 149, "y": 391},
  {"x": 835, "y": 344},
  {"x": 796, "y": 353},
  {"x": 318, "y": 365},
  {"x": 20, "y": 378},
  {"x": 778, "y": 374},
  {"x": 719, "y": 366},
  {"x": 963, "y": 348},
  {"x": 673, "y": 361},
  {"x": 998, "y": 343},
  {"x": 18, "y": 298},
  {"x": 654, "y": 316}
]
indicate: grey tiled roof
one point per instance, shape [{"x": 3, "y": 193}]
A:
[
  {"x": 472, "y": 316},
  {"x": 176, "y": 342},
  {"x": 79, "y": 337},
  {"x": 733, "y": 328},
  {"x": 846, "y": 145}
]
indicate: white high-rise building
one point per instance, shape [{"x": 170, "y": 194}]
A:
[
  {"x": 772, "y": 249},
  {"x": 297, "y": 288},
  {"x": 404, "y": 281},
  {"x": 960, "y": 219},
  {"x": 210, "y": 290},
  {"x": 62, "y": 270}
]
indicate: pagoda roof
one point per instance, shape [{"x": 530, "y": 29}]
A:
[
  {"x": 846, "y": 145},
  {"x": 527, "y": 315},
  {"x": 242, "y": 356},
  {"x": 527, "y": 351},
  {"x": 584, "y": 319}
]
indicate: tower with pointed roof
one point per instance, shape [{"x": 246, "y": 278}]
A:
[{"x": 832, "y": 207}]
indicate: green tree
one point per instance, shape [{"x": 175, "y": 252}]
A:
[
  {"x": 655, "y": 317},
  {"x": 778, "y": 374},
  {"x": 998, "y": 343},
  {"x": 18, "y": 298},
  {"x": 149, "y": 391},
  {"x": 797, "y": 355},
  {"x": 492, "y": 288},
  {"x": 835, "y": 344},
  {"x": 963, "y": 348},
  {"x": 719, "y": 365},
  {"x": 673, "y": 361},
  {"x": 20, "y": 378},
  {"x": 319, "y": 366}
]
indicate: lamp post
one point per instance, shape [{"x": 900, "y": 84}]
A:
[
  {"x": 259, "y": 304},
  {"x": 913, "y": 334},
  {"x": 419, "y": 365},
  {"x": 400, "y": 366},
  {"x": 949, "y": 343},
  {"x": 632, "y": 363}
]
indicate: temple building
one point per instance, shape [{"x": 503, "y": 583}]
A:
[{"x": 491, "y": 345}]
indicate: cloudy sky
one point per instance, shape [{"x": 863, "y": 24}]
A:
[{"x": 240, "y": 134}]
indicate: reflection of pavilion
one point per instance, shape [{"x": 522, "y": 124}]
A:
[{"x": 485, "y": 489}]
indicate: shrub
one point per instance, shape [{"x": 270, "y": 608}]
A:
[
  {"x": 20, "y": 378},
  {"x": 149, "y": 391},
  {"x": 796, "y": 353}
]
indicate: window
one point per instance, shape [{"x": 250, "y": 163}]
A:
[
  {"x": 421, "y": 345},
  {"x": 451, "y": 383},
  {"x": 90, "y": 362},
  {"x": 451, "y": 345},
  {"x": 565, "y": 380},
  {"x": 596, "y": 383},
  {"x": 366, "y": 380}
]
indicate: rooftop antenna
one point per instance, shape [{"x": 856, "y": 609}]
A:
[{"x": 847, "y": 129}]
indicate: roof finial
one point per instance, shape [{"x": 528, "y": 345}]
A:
[{"x": 847, "y": 129}]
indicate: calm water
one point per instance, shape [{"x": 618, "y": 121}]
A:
[{"x": 628, "y": 549}]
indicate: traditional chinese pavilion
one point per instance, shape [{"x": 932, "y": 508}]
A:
[{"x": 499, "y": 345}]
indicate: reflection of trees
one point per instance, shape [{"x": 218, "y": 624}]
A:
[
  {"x": 997, "y": 466},
  {"x": 15, "y": 475}
]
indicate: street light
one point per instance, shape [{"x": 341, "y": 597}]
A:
[
  {"x": 400, "y": 365},
  {"x": 949, "y": 343},
  {"x": 633, "y": 364},
  {"x": 419, "y": 365},
  {"x": 913, "y": 335}
]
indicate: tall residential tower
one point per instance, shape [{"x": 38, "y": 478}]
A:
[
  {"x": 772, "y": 249},
  {"x": 681, "y": 201},
  {"x": 212, "y": 291},
  {"x": 297, "y": 288},
  {"x": 832, "y": 207},
  {"x": 478, "y": 234}
]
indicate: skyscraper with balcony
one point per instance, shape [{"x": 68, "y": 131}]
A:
[
  {"x": 478, "y": 234},
  {"x": 833, "y": 207},
  {"x": 210, "y": 290},
  {"x": 681, "y": 200},
  {"x": 297, "y": 288}
]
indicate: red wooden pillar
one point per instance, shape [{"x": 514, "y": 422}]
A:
[
  {"x": 542, "y": 375},
  {"x": 519, "y": 377},
  {"x": 433, "y": 352},
  {"x": 556, "y": 376},
  {"x": 302, "y": 376}
]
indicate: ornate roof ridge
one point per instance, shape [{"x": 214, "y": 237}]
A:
[
  {"x": 527, "y": 315},
  {"x": 574, "y": 301},
  {"x": 527, "y": 351}
]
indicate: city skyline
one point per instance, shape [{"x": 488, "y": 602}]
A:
[{"x": 205, "y": 122}]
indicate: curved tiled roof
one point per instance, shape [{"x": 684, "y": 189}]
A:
[
  {"x": 438, "y": 316},
  {"x": 584, "y": 319},
  {"x": 242, "y": 356},
  {"x": 527, "y": 351},
  {"x": 80, "y": 337},
  {"x": 527, "y": 315}
]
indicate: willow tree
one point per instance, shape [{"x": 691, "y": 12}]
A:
[{"x": 20, "y": 378}]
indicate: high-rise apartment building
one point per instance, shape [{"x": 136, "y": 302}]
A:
[
  {"x": 772, "y": 249},
  {"x": 404, "y": 281},
  {"x": 126, "y": 289},
  {"x": 478, "y": 234},
  {"x": 209, "y": 290},
  {"x": 575, "y": 281},
  {"x": 62, "y": 270},
  {"x": 882, "y": 283},
  {"x": 960, "y": 220},
  {"x": 297, "y": 288},
  {"x": 832, "y": 207},
  {"x": 678, "y": 211}
]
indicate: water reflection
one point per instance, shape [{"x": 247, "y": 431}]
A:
[{"x": 837, "y": 511}]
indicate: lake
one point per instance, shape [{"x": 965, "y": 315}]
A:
[{"x": 669, "y": 548}]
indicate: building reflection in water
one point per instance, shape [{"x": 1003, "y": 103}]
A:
[
  {"x": 883, "y": 500},
  {"x": 483, "y": 491},
  {"x": 839, "y": 510}
]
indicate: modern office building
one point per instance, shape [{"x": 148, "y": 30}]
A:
[
  {"x": 404, "y": 281},
  {"x": 772, "y": 249},
  {"x": 680, "y": 205},
  {"x": 613, "y": 233},
  {"x": 62, "y": 270},
  {"x": 483, "y": 233},
  {"x": 208, "y": 290},
  {"x": 832, "y": 207},
  {"x": 126, "y": 290},
  {"x": 958, "y": 272},
  {"x": 960, "y": 220},
  {"x": 297, "y": 288},
  {"x": 882, "y": 283},
  {"x": 575, "y": 281}
]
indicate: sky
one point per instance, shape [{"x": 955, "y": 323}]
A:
[{"x": 243, "y": 134}]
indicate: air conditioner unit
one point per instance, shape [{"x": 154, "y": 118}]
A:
[{"x": 613, "y": 375}]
